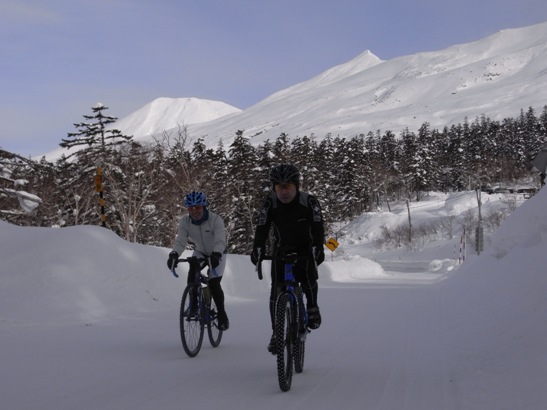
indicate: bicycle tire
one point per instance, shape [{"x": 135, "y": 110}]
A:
[
  {"x": 213, "y": 331},
  {"x": 191, "y": 328},
  {"x": 284, "y": 340}
]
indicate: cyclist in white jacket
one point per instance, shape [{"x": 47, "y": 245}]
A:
[{"x": 207, "y": 232}]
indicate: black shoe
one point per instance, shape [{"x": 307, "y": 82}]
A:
[
  {"x": 271, "y": 345},
  {"x": 223, "y": 322},
  {"x": 314, "y": 318},
  {"x": 191, "y": 313}
]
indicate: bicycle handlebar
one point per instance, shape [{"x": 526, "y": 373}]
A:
[
  {"x": 193, "y": 259},
  {"x": 261, "y": 258}
]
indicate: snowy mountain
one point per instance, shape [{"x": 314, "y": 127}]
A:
[
  {"x": 170, "y": 113},
  {"x": 496, "y": 76},
  {"x": 90, "y": 321}
]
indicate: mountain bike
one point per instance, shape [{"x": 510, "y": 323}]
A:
[
  {"x": 291, "y": 323},
  {"x": 197, "y": 309}
]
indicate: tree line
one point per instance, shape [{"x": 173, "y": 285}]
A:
[{"x": 144, "y": 183}]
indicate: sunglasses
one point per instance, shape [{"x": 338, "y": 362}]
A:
[
  {"x": 280, "y": 187},
  {"x": 195, "y": 208}
]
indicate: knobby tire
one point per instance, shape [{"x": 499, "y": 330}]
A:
[{"x": 284, "y": 322}]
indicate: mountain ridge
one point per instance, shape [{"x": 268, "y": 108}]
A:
[{"x": 496, "y": 76}]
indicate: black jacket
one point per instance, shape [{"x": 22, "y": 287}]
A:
[{"x": 296, "y": 226}]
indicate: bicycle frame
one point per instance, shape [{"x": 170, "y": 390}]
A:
[{"x": 294, "y": 290}]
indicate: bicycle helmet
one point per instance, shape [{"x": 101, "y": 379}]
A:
[
  {"x": 195, "y": 198},
  {"x": 284, "y": 174}
]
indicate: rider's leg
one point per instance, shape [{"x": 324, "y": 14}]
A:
[
  {"x": 193, "y": 307},
  {"x": 310, "y": 288},
  {"x": 218, "y": 296},
  {"x": 278, "y": 275}
]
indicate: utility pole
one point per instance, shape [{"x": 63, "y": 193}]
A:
[
  {"x": 479, "y": 233},
  {"x": 409, "y": 222}
]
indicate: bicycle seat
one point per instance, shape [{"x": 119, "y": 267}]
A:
[{"x": 287, "y": 255}]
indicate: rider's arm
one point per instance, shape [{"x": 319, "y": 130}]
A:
[
  {"x": 316, "y": 217},
  {"x": 263, "y": 224},
  {"x": 219, "y": 235},
  {"x": 182, "y": 236}
]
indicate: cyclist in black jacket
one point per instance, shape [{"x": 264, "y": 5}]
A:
[{"x": 296, "y": 220}]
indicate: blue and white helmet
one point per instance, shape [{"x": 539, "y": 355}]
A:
[{"x": 195, "y": 198}]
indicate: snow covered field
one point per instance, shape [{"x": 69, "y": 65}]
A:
[{"x": 89, "y": 321}]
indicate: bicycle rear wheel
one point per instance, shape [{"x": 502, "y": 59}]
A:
[
  {"x": 284, "y": 340},
  {"x": 215, "y": 334},
  {"x": 191, "y": 320}
]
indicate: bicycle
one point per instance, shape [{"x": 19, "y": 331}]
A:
[
  {"x": 291, "y": 322},
  {"x": 197, "y": 309}
]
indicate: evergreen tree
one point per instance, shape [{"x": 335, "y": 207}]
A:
[
  {"x": 302, "y": 150},
  {"x": 220, "y": 180},
  {"x": 533, "y": 141},
  {"x": 543, "y": 124},
  {"x": 243, "y": 187},
  {"x": 266, "y": 161},
  {"x": 328, "y": 169},
  {"x": 94, "y": 136},
  {"x": 510, "y": 145},
  {"x": 409, "y": 162},
  {"x": 96, "y": 150},
  {"x": 282, "y": 149},
  {"x": 380, "y": 168}
]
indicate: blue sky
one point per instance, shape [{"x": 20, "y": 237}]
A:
[{"x": 61, "y": 57}]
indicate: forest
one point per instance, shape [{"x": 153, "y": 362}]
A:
[{"x": 136, "y": 189}]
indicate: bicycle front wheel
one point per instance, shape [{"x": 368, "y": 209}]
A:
[
  {"x": 284, "y": 340},
  {"x": 215, "y": 334},
  {"x": 192, "y": 325}
]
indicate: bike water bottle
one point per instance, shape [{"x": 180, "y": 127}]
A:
[{"x": 207, "y": 295}]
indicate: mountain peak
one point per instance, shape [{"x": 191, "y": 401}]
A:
[{"x": 166, "y": 113}]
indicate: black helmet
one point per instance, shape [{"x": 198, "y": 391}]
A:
[{"x": 284, "y": 174}]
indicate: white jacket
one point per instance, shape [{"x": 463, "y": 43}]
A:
[{"x": 208, "y": 237}]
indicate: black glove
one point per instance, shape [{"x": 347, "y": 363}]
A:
[
  {"x": 215, "y": 259},
  {"x": 172, "y": 262},
  {"x": 254, "y": 256},
  {"x": 319, "y": 255}
]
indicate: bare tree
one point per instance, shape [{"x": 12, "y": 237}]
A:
[{"x": 15, "y": 201}]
